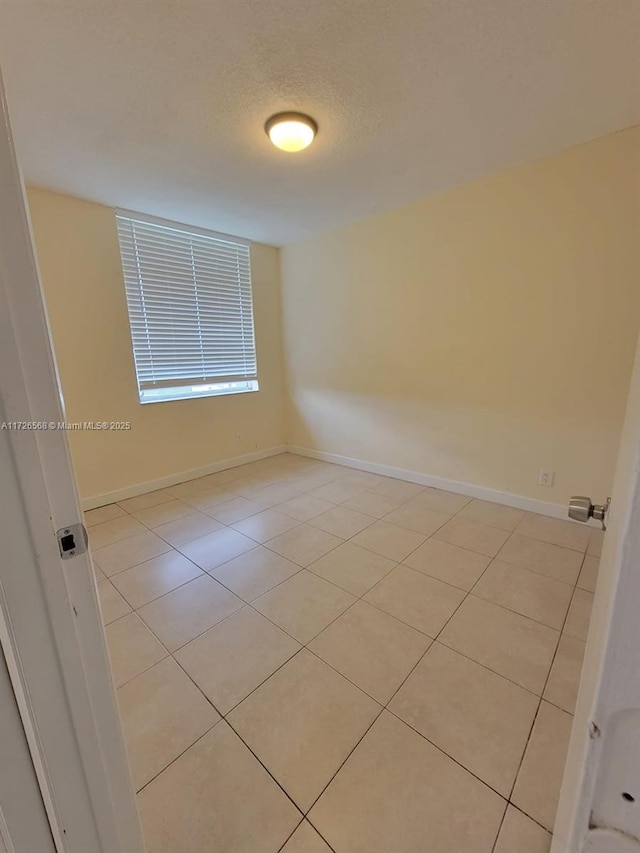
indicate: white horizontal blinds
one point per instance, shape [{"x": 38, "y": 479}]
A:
[{"x": 190, "y": 305}]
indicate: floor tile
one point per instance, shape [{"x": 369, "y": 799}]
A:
[
  {"x": 372, "y": 649},
  {"x": 389, "y": 540},
  {"x": 304, "y": 605},
  {"x": 564, "y": 679},
  {"x": 190, "y": 610},
  {"x": 472, "y": 535},
  {"x": 265, "y": 525},
  {"x": 420, "y": 601},
  {"x": 538, "y": 785},
  {"x": 553, "y": 561},
  {"x": 589, "y": 573},
  {"x": 247, "y": 484},
  {"x": 304, "y": 544},
  {"x": 579, "y": 615},
  {"x": 430, "y": 498},
  {"x": 273, "y": 494},
  {"x": 187, "y": 528},
  {"x": 337, "y": 492},
  {"x": 305, "y": 840},
  {"x": 216, "y": 548},
  {"x": 228, "y": 475},
  {"x": 342, "y": 522},
  {"x": 153, "y": 578},
  {"x": 512, "y": 645},
  {"x": 147, "y": 500},
  {"x": 352, "y": 568},
  {"x": 596, "y": 541},
  {"x": 108, "y": 532},
  {"x": 132, "y": 648},
  {"x": 216, "y": 796},
  {"x": 477, "y": 717},
  {"x": 493, "y": 514},
  {"x": 422, "y": 520},
  {"x": 162, "y": 513},
  {"x": 310, "y": 480},
  {"x": 393, "y": 488},
  {"x": 210, "y": 497},
  {"x": 302, "y": 723},
  {"x": 163, "y": 713},
  {"x": 456, "y": 566},
  {"x": 252, "y": 574},
  {"x": 568, "y": 534},
  {"x": 284, "y": 552},
  {"x": 397, "y": 792},
  {"x": 129, "y": 552},
  {"x": 102, "y": 513},
  {"x": 234, "y": 657},
  {"x": 304, "y": 507},
  {"x": 371, "y": 503},
  {"x": 519, "y": 834},
  {"x": 530, "y": 594},
  {"x": 363, "y": 478},
  {"x": 234, "y": 510},
  {"x": 112, "y": 604}
]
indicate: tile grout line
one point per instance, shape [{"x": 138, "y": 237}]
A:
[
  {"x": 303, "y": 646},
  {"x": 175, "y": 549},
  {"x": 436, "y": 746},
  {"x": 308, "y": 568},
  {"x": 535, "y": 718},
  {"x": 357, "y": 599},
  {"x": 384, "y": 707},
  {"x": 223, "y": 718}
]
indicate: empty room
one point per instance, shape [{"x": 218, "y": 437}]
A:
[{"x": 317, "y": 344}]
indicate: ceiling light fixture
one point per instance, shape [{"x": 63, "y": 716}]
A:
[{"x": 291, "y": 131}]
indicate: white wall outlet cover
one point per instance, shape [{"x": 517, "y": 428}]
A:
[
  {"x": 609, "y": 841},
  {"x": 546, "y": 478}
]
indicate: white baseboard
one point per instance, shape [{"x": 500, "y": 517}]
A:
[
  {"x": 471, "y": 489},
  {"x": 179, "y": 477}
]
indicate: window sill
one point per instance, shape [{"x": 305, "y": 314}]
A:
[{"x": 167, "y": 395}]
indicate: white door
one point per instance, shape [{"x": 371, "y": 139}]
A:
[
  {"x": 23, "y": 819},
  {"x": 50, "y": 628},
  {"x": 599, "y": 809}
]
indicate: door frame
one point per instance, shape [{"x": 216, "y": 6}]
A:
[
  {"x": 600, "y": 765},
  {"x": 24, "y": 824},
  {"x": 50, "y": 626}
]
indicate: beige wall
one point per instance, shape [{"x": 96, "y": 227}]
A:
[
  {"x": 480, "y": 335},
  {"x": 79, "y": 261}
]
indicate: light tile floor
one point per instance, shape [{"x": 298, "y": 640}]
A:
[{"x": 310, "y": 658}]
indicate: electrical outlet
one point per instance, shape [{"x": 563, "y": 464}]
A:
[
  {"x": 546, "y": 478},
  {"x": 239, "y": 438}
]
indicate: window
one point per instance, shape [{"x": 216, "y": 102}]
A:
[{"x": 190, "y": 309}]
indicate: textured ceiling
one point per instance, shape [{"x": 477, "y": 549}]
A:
[{"x": 159, "y": 105}]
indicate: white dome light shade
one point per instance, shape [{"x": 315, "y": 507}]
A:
[{"x": 291, "y": 131}]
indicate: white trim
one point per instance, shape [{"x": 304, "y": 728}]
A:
[
  {"x": 31, "y": 735},
  {"x": 471, "y": 489},
  {"x": 50, "y": 605},
  {"x": 602, "y": 760},
  {"x": 6, "y": 845},
  {"x": 179, "y": 477}
]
